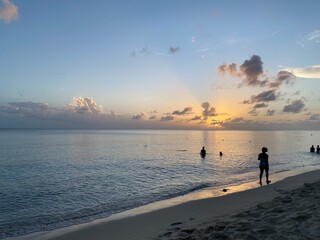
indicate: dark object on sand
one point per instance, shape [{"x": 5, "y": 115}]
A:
[
  {"x": 224, "y": 190},
  {"x": 221, "y": 154}
]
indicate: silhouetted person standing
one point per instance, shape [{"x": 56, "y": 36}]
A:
[
  {"x": 312, "y": 149},
  {"x": 203, "y": 152},
  {"x": 264, "y": 164},
  {"x": 318, "y": 149}
]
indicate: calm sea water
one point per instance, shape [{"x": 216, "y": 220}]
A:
[{"x": 55, "y": 178}]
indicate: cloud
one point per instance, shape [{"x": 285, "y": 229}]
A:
[
  {"x": 185, "y": 111},
  {"x": 253, "y": 112},
  {"x": 28, "y": 109},
  {"x": 266, "y": 96},
  {"x": 314, "y": 35},
  {"x": 270, "y": 112},
  {"x": 260, "y": 105},
  {"x": 208, "y": 111},
  {"x": 167, "y": 118},
  {"x": 315, "y": 117},
  {"x": 8, "y": 12},
  {"x": 153, "y": 111},
  {"x": 282, "y": 77},
  {"x": 152, "y": 117},
  {"x": 230, "y": 69},
  {"x": 75, "y": 115},
  {"x": 306, "y": 72},
  {"x": 195, "y": 118},
  {"x": 174, "y": 50},
  {"x": 146, "y": 51},
  {"x": 140, "y": 116},
  {"x": 295, "y": 106},
  {"x": 250, "y": 71},
  {"x": 310, "y": 38},
  {"x": 85, "y": 105},
  {"x": 237, "y": 120}
]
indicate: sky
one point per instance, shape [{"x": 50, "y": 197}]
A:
[{"x": 245, "y": 65}]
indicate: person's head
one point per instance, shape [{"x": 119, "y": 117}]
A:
[
  {"x": 264, "y": 149},
  {"x": 202, "y": 147}
]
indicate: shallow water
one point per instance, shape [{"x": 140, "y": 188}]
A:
[{"x": 55, "y": 178}]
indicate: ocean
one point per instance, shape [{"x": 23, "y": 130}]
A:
[{"x": 51, "y": 179}]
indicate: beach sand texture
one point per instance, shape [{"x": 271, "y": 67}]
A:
[
  {"x": 294, "y": 215},
  {"x": 288, "y": 209}
]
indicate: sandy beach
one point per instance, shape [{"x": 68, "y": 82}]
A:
[{"x": 288, "y": 209}]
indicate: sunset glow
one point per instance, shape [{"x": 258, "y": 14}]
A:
[{"x": 166, "y": 65}]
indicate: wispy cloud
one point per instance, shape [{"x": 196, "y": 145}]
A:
[
  {"x": 306, "y": 72},
  {"x": 310, "y": 38},
  {"x": 8, "y": 12}
]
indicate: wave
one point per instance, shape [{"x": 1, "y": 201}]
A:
[{"x": 26, "y": 225}]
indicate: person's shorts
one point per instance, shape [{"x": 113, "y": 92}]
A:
[{"x": 264, "y": 168}]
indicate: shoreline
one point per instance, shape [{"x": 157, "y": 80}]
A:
[{"x": 147, "y": 221}]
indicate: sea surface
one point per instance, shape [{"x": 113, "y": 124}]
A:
[{"x": 50, "y": 179}]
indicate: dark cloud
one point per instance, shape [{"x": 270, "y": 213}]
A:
[
  {"x": 208, "y": 110},
  {"x": 282, "y": 77},
  {"x": 295, "y": 106},
  {"x": 8, "y": 12},
  {"x": 195, "y": 118},
  {"x": 167, "y": 118},
  {"x": 174, "y": 50},
  {"x": 260, "y": 105},
  {"x": 140, "y": 116},
  {"x": 270, "y": 112},
  {"x": 185, "y": 111},
  {"x": 266, "y": 96},
  {"x": 152, "y": 117},
  {"x": 250, "y": 71}
]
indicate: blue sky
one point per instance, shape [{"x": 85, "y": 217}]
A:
[{"x": 159, "y": 64}]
